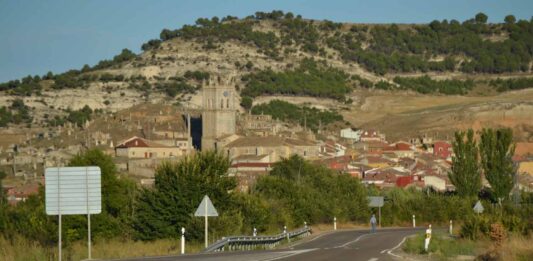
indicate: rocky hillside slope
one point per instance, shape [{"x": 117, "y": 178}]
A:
[{"x": 406, "y": 79}]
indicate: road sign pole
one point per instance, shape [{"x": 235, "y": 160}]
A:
[
  {"x": 59, "y": 211},
  {"x": 379, "y": 215},
  {"x": 206, "y": 209},
  {"x": 206, "y": 241},
  {"x": 88, "y": 215}
]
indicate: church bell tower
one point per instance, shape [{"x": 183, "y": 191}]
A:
[{"x": 218, "y": 115}]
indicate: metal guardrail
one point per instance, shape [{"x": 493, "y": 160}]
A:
[{"x": 254, "y": 242}]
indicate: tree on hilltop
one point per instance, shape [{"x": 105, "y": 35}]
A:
[{"x": 481, "y": 18}]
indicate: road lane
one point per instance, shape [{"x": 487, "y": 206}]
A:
[
  {"x": 357, "y": 245},
  {"x": 338, "y": 245}
]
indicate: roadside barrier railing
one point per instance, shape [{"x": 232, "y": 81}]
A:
[{"x": 237, "y": 243}]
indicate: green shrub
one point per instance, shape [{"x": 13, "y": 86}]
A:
[
  {"x": 475, "y": 227},
  {"x": 440, "y": 245}
]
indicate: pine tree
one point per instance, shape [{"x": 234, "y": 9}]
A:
[
  {"x": 465, "y": 174},
  {"x": 496, "y": 149}
]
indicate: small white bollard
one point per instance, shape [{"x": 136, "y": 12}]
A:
[
  {"x": 414, "y": 221},
  {"x": 182, "y": 240},
  {"x": 428, "y": 238},
  {"x": 284, "y": 229},
  {"x": 451, "y": 227},
  {"x": 255, "y": 232},
  {"x": 334, "y": 223},
  {"x": 305, "y": 224}
]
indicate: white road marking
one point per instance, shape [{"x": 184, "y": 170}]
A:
[
  {"x": 313, "y": 239},
  {"x": 291, "y": 253},
  {"x": 389, "y": 251},
  {"x": 373, "y": 259},
  {"x": 358, "y": 238},
  {"x": 353, "y": 241}
]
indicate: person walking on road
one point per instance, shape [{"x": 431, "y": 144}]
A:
[{"x": 373, "y": 223}]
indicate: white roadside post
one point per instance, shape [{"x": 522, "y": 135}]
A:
[
  {"x": 206, "y": 230},
  {"x": 206, "y": 209},
  {"x": 334, "y": 223},
  {"x": 414, "y": 221},
  {"x": 451, "y": 227},
  {"x": 182, "y": 240},
  {"x": 305, "y": 224},
  {"x": 255, "y": 232},
  {"x": 428, "y": 238}
]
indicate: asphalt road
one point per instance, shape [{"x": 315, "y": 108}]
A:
[{"x": 338, "y": 245}]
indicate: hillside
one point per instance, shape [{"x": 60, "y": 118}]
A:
[{"x": 406, "y": 79}]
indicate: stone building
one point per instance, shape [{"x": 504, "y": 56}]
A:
[
  {"x": 271, "y": 148},
  {"x": 140, "y": 148},
  {"x": 260, "y": 125},
  {"x": 218, "y": 114}
]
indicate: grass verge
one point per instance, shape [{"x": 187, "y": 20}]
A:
[{"x": 22, "y": 249}]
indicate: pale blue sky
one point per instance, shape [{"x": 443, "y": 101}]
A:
[{"x": 37, "y": 36}]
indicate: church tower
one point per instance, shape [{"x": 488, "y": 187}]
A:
[{"x": 218, "y": 115}]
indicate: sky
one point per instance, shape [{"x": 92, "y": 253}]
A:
[{"x": 38, "y": 36}]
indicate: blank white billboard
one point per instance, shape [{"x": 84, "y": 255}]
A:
[{"x": 73, "y": 190}]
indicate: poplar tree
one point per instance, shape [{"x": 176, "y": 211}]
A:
[
  {"x": 465, "y": 172},
  {"x": 496, "y": 149}
]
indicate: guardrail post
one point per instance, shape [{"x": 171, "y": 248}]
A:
[
  {"x": 182, "y": 240},
  {"x": 414, "y": 221}
]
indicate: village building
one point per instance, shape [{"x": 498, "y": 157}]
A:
[
  {"x": 259, "y": 125},
  {"x": 21, "y": 193},
  {"x": 401, "y": 149},
  {"x": 351, "y": 134},
  {"x": 442, "y": 149},
  {"x": 139, "y": 148},
  {"x": 372, "y": 136},
  {"x": 332, "y": 149},
  {"x": 272, "y": 147}
]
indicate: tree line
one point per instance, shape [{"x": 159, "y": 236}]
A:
[
  {"x": 311, "y": 78},
  {"x": 311, "y": 117},
  {"x": 390, "y": 48}
]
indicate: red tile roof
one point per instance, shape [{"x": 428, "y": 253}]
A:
[{"x": 137, "y": 142}]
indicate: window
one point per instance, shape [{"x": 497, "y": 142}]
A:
[
  {"x": 227, "y": 103},
  {"x": 222, "y": 103}
]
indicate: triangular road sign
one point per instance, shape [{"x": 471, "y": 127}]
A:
[
  {"x": 478, "y": 208},
  {"x": 206, "y": 208}
]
